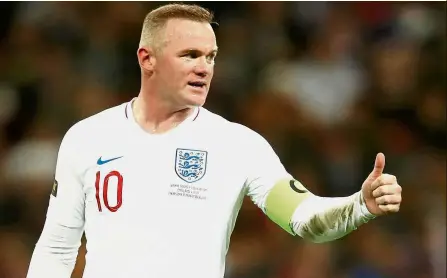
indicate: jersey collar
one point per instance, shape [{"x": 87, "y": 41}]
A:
[{"x": 128, "y": 112}]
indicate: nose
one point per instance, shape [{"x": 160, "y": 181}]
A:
[{"x": 202, "y": 68}]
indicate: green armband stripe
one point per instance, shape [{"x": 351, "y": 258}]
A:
[{"x": 282, "y": 201}]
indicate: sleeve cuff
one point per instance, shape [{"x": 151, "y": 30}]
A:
[{"x": 363, "y": 209}]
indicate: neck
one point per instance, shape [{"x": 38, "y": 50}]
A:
[{"x": 157, "y": 116}]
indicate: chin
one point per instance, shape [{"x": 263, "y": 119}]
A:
[{"x": 194, "y": 99}]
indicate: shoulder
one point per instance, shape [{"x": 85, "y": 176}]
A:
[
  {"x": 101, "y": 124},
  {"x": 232, "y": 131}
]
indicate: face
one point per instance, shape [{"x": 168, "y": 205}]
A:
[{"x": 183, "y": 67}]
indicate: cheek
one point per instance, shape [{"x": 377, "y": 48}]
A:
[
  {"x": 170, "y": 67},
  {"x": 181, "y": 69}
]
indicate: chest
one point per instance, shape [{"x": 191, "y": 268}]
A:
[{"x": 188, "y": 183}]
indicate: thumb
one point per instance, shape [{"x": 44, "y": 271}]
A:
[{"x": 379, "y": 165}]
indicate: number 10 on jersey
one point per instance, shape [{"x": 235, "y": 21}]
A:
[{"x": 104, "y": 185}]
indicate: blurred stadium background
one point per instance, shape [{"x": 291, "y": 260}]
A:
[{"x": 328, "y": 84}]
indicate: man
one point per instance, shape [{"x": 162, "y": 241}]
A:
[{"x": 157, "y": 183}]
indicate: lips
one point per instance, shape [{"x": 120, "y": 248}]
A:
[{"x": 197, "y": 84}]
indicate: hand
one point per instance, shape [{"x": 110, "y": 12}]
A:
[{"x": 381, "y": 192}]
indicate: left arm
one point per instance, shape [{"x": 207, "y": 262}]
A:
[
  {"x": 325, "y": 219},
  {"x": 314, "y": 218},
  {"x": 319, "y": 219}
]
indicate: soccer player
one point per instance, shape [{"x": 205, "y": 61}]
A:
[{"x": 157, "y": 183}]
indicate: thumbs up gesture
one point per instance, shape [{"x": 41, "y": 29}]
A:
[{"x": 381, "y": 192}]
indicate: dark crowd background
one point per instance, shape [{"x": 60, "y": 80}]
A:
[{"x": 328, "y": 84}]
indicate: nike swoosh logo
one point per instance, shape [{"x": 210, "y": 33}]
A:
[
  {"x": 293, "y": 186},
  {"x": 101, "y": 162}
]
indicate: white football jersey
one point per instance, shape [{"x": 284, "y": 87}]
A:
[{"x": 152, "y": 205}]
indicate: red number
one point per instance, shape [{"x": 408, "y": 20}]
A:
[
  {"x": 105, "y": 188},
  {"x": 98, "y": 201}
]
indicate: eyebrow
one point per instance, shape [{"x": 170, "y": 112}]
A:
[{"x": 214, "y": 51}]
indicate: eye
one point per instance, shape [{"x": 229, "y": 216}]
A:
[
  {"x": 191, "y": 55},
  {"x": 210, "y": 59}
]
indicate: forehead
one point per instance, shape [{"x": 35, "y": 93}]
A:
[{"x": 183, "y": 33}]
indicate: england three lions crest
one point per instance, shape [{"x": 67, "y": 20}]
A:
[{"x": 190, "y": 165}]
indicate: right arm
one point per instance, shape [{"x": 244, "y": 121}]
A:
[{"x": 56, "y": 250}]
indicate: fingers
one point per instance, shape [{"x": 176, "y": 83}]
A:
[
  {"x": 387, "y": 193},
  {"x": 391, "y": 208},
  {"x": 389, "y": 200},
  {"x": 384, "y": 179},
  {"x": 389, "y": 189}
]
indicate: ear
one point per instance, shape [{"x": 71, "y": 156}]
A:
[{"x": 146, "y": 58}]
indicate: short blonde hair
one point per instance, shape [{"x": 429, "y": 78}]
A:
[{"x": 157, "y": 19}]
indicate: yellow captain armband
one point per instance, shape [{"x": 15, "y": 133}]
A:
[{"x": 283, "y": 199}]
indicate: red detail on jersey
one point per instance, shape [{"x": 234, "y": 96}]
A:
[
  {"x": 105, "y": 188},
  {"x": 119, "y": 194},
  {"x": 98, "y": 176}
]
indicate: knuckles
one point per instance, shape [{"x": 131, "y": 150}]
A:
[
  {"x": 387, "y": 189},
  {"x": 387, "y": 179}
]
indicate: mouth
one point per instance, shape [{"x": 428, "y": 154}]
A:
[{"x": 197, "y": 84}]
